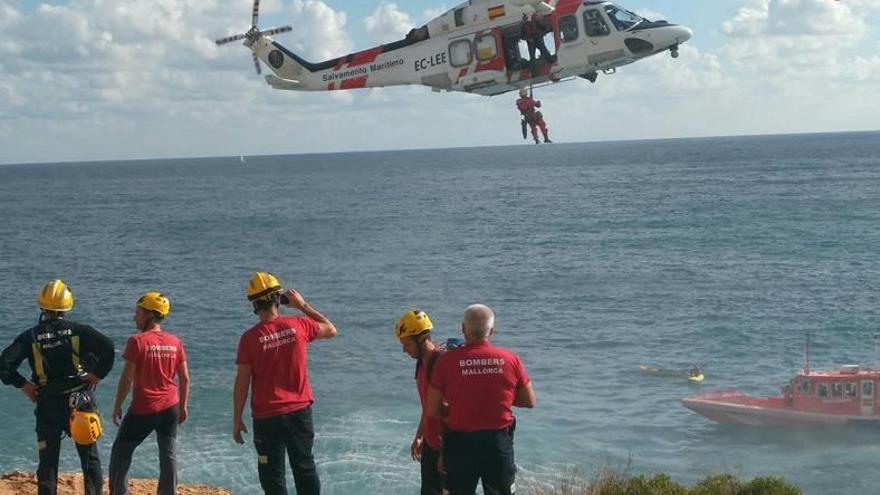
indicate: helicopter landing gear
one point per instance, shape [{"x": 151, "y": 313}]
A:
[{"x": 674, "y": 51}]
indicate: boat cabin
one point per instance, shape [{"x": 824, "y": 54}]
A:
[{"x": 850, "y": 391}]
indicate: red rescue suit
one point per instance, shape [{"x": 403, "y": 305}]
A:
[{"x": 528, "y": 107}]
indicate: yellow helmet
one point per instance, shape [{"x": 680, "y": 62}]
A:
[
  {"x": 85, "y": 427},
  {"x": 413, "y": 323},
  {"x": 55, "y": 296},
  {"x": 155, "y": 301},
  {"x": 523, "y": 92},
  {"x": 261, "y": 285}
]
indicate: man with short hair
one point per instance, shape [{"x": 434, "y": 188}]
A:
[
  {"x": 153, "y": 357},
  {"x": 481, "y": 383},
  {"x": 66, "y": 358},
  {"x": 413, "y": 330},
  {"x": 272, "y": 362}
]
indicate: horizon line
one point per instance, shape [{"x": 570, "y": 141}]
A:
[{"x": 403, "y": 150}]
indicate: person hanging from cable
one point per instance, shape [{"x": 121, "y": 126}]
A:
[{"x": 528, "y": 107}]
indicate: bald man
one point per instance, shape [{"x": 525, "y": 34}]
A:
[{"x": 482, "y": 383}]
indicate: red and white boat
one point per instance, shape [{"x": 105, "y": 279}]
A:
[{"x": 846, "y": 396}]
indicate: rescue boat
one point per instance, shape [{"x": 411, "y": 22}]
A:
[{"x": 812, "y": 398}]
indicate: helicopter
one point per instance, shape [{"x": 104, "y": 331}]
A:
[{"x": 477, "y": 48}]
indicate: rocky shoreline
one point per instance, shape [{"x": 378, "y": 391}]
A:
[{"x": 19, "y": 483}]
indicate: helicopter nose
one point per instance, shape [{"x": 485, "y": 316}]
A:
[{"x": 682, "y": 33}]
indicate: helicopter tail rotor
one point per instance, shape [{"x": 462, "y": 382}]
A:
[{"x": 254, "y": 34}]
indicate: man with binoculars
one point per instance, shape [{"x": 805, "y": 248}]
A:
[{"x": 272, "y": 362}]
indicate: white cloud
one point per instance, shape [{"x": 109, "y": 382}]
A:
[
  {"x": 388, "y": 23},
  {"x": 796, "y": 18},
  {"x": 139, "y": 71},
  {"x": 97, "y": 79},
  {"x": 319, "y": 31},
  {"x": 8, "y": 14}
]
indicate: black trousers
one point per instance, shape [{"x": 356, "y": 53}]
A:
[
  {"x": 53, "y": 416},
  {"x": 289, "y": 435},
  {"x": 538, "y": 46},
  {"x": 134, "y": 430},
  {"x": 485, "y": 456},
  {"x": 432, "y": 480}
]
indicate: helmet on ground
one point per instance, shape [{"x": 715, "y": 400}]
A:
[
  {"x": 261, "y": 285},
  {"x": 155, "y": 301},
  {"x": 85, "y": 427},
  {"x": 413, "y": 323},
  {"x": 55, "y": 296},
  {"x": 523, "y": 92}
]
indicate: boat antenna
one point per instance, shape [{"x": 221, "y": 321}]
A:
[{"x": 807, "y": 353}]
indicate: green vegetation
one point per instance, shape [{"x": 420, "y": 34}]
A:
[{"x": 614, "y": 484}]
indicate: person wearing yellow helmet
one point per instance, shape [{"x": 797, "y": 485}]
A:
[
  {"x": 271, "y": 362},
  {"x": 531, "y": 116},
  {"x": 65, "y": 358},
  {"x": 153, "y": 358},
  {"x": 413, "y": 330}
]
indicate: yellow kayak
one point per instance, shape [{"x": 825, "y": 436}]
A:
[{"x": 695, "y": 377}]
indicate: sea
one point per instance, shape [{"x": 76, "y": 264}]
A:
[{"x": 597, "y": 258}]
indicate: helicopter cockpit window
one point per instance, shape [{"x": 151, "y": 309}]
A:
[
  {"x": 568, "y": 28},
  {"x": 594, "y": 24},
  {"x": 460, "y": 53},
  {"x": 624, "y": 20}
]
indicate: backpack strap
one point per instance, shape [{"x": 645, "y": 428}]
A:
[{"x": 431, "y": 362}]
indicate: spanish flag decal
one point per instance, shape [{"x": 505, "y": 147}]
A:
[{"x": 496, "y": 12}]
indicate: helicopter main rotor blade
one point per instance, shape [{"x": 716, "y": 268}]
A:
[
  {"x": 230, "y": 39},
  {"x": 256, "y": 16},
  {"x": 270, "y": 32},
  {"x": 257, "y": 64}
]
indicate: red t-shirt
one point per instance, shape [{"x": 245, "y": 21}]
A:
[
  {"x": 432, "y": 427},
  {"x": 156, "y": 356},
  {"x": 276, "y": 352},
  {"x": 526, "y": 105},
  {"x": 479, "y": 381}
]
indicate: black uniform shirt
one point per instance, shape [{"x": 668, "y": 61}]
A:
[{"x": 56, "y": 340}]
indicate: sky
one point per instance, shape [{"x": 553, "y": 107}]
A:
[{"x": 84, "y": 80}]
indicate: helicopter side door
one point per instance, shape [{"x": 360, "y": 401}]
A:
[
  {"x": 571, "y": 52},
  {"x": 604, "y": 46}
]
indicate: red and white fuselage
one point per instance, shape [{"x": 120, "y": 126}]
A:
[
  {"x": 847, "y": 396},
  {"x": 476, "y": 48}
]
